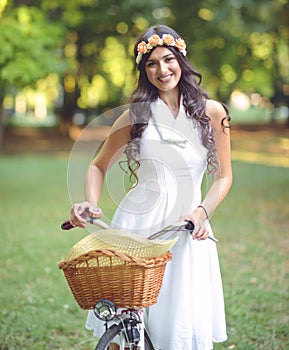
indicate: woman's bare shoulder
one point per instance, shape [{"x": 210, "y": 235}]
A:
[
  {"x": 217, "y": 111},
  {"x": 123, "y": 121}
]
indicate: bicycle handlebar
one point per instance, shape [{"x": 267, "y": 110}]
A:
[{"x": 93, "y": 217}]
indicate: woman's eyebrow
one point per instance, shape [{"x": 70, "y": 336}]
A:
[{"x": 169, "y": 54}]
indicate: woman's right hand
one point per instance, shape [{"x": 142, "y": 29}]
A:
[{"x": 78, "y": 213}]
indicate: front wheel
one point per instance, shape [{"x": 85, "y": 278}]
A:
[
  {"x": 112, "y": 332},
  {"x": 108, "y": 336},
  {"x": 148, "y": 342}
]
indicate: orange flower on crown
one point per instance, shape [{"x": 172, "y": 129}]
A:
[
  {"x": 168, "y": 39},
  {"x": 154, "y": 40},
  {"x": 142, "y": 47},
  {"x": 180, "y": 45}
]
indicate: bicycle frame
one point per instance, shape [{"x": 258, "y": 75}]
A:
[{"x": 128, "y": 325}]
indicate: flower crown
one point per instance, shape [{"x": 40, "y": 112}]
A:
[{"x": 155, "y": 40}]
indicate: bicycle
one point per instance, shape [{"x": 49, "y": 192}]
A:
[
  {"x": 128, "y": 326},
  {"x": 127, "y": 323}
]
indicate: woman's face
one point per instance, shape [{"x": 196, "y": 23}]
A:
[{"x": 163, "y": 69}]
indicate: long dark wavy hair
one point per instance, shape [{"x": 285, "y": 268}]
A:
[{"x": 194, "y": 100}]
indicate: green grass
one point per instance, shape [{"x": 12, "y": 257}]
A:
[
  {"x": 37, "y": 310},
  {"x": 253, "y": 232}
]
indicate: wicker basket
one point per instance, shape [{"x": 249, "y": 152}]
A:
[{"x": 106, "y": 274}]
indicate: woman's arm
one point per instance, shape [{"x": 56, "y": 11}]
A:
[
  {"x": 222, "y": 177},
  {"x": 110, "y": 152}
]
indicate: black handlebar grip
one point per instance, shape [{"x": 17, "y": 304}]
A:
[
  {"x": 189, "y": 226},
  {"x": 66, "y": 225},
  {"x": 90, "y": 214}
]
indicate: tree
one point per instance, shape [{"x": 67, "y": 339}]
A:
[
  {"x": 99, "y": 50},
  {"x": 89, "y": 43},
  {"x": 30, "y": 48}
]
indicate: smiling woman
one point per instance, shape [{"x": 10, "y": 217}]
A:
[
  {"x": 164, "y": 72},
  {"x": 171, "y": 135}
]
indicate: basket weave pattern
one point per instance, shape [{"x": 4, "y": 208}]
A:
[{"x": 128, "y": 281}]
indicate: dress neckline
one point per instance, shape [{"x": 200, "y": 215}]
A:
[
  {"x": 180, "y": 109},
  {"x": 167, "y": 125}
]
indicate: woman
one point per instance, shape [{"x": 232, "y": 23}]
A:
[{"x": 171, "y": 134}]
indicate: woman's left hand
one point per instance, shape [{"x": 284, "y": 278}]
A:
[{"x": 199, "y": 219}]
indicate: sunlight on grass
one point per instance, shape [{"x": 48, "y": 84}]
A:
[{"x": 261, "y": 158}]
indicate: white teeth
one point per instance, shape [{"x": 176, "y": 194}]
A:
[{"x": 165, "y": 79}]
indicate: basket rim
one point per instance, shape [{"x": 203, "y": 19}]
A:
[{"x": 145, "y": 262}]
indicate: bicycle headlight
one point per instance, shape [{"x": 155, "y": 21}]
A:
[{"x": 105, "y": 310}]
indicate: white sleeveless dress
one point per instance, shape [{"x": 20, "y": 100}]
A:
[{"x": 189, "y": 314}]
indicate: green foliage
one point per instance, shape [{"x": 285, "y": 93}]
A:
[
  {"x": 234, "y": 44},
  {"x": 30, "y": 46}
]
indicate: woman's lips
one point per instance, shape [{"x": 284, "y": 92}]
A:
[{"x": 165, "y": 79}]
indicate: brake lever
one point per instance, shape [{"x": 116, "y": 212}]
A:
[{"x": 188, "y": 226}]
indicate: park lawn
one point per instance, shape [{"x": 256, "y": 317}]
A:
[
  {"x": 37, "y": 310},
  {"x": 253, "y": 228}
]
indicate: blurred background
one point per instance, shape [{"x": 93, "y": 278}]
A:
[{"x": 64, "y": 63}]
